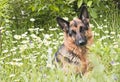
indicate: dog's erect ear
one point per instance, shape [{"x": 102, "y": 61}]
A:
[
  {"x": 63, "y": 23},
  {"x": 84, "y": 13},
  {"x": 84, "y": 16}
]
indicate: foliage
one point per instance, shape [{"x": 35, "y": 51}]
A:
[
  {"x": 19, "y": 14},
  {"x": 29, "y": 37}
]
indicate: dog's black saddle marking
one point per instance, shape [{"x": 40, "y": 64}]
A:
[{"x": 69, "y": 57}]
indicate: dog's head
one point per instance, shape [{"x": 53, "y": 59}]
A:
[{"x": 77, "y": 31}]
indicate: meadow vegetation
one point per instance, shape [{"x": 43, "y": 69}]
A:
[{"x": 30, "y": 36}]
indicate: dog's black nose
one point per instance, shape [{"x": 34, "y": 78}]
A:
[{"x": 82, "y": 42}]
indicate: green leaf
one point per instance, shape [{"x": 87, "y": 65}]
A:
[
  {"x": 93, "y": 13},
  {"x": 71, "y": 1},
  {"x": 33, "y": 8},
  {"x": 89, "y": 3},
  {"x": 54, "y": 8},
  {"x": 79, "y": 3}
]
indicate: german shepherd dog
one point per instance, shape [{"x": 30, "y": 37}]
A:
[{"x": 77, "y": 36}]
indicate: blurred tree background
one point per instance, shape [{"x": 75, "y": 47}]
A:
[{"x": 23, "y": 14}]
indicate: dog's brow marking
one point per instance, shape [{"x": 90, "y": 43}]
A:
[{"x": 75, "y": 23}]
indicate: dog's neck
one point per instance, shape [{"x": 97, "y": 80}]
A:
[{"x": 77, "y": 50}]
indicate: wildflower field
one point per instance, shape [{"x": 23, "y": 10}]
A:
[{"x": 27, "y": 56}]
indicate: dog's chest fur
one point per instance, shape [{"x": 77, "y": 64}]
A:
[
  {"x": 70, "y": 58},
  {"x": 67, "y": 56},
  {"x": 70, "y": 55}
]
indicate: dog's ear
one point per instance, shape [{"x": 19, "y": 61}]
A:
[
  {"x": 63, "y": 23},
  {"x": 84, "y": 15}
]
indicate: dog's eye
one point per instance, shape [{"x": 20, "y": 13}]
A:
[
  {"x": 73, "y": 32},
  {"x": 81, "y": 29},
  {"x": 86, "y": 26}
]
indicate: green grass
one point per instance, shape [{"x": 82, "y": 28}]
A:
[{"x": 28, "y": 57}]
